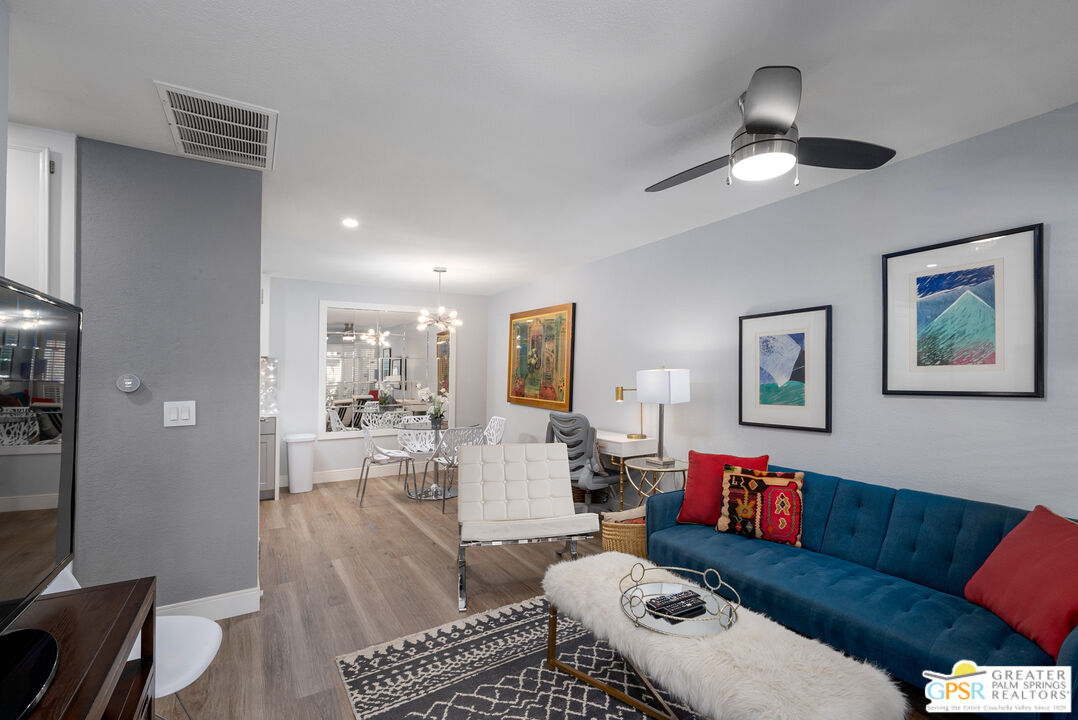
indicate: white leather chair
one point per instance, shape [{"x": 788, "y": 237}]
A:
[
  {"x": 184, "y": 645},
  {"x": 513, "y": 494}
]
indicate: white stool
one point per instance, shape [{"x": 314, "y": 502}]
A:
[{"x": 185, "y": 647}]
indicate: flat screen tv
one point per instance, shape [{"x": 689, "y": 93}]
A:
[{"x": 40, "y": 338}]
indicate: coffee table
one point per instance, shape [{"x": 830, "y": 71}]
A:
[{"x": 749, "y": 668}]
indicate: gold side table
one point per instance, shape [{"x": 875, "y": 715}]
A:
[{"x": 651, "y": 476}]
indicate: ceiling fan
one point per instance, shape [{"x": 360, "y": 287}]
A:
[{"x": 768, "y": 145}]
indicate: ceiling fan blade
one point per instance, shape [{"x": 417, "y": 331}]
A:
[
  {"x": 770, "y": 104},
  {"x": 842, "y": 154},
  {"x": 690, "y": 174}
]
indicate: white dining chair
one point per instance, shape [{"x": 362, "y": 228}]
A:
[
  {"x": 377, "y": 455},
  {"x": 184, "y": 645},
  {"x": 494, "y": 430},
  {"x": 447, "y": 453},
  {"x": 419, "y": 443}
]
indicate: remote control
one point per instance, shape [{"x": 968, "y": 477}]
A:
[{"x": 685, "y": 604}]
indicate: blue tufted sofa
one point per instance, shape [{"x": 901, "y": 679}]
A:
[{"x": 880, "y": 575}]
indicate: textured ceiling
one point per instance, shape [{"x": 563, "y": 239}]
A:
[{"x": 508, "y": 138}]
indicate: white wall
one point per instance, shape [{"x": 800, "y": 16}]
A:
[
  {"x": 676, "y": 303},
  {"x": 5, "y": 27},
  {"x": 294, "y": 342},
  {"x": 62, "y": 276}
]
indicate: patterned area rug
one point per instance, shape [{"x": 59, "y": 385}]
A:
[{"x": 491, "y": 665}]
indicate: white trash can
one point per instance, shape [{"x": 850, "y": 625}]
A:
[{"x": 300, "y": 462}]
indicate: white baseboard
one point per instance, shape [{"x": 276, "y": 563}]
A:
[
  {"x": 346, "y": 474},
  {"x": 16, "y": 503},
  {"x": 217, "y": 607}
]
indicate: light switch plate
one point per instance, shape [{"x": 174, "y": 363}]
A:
[{"x": 178, "y": 414}]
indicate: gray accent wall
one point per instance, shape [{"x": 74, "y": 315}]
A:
[
  {"x": 169, "y": 277},
  {"x": 676, "y": 303}
]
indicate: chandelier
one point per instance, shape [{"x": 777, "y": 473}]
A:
[
  {"x": 442, "y": 320},
  {"x": 375, "y": 338}
]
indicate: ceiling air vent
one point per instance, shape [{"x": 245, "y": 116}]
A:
[{"x": 208, "y": 127}]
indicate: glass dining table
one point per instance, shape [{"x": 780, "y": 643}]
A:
[{"x": 433, "y": 445}]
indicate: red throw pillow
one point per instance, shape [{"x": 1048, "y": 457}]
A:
[
  {"x": 1029, "y": 580},
  {"x": 703, "y": 485}
]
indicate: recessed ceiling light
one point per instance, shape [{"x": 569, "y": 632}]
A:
[
  {"x": 932, "y": 265},
  {"x": 350, "y": 223}
]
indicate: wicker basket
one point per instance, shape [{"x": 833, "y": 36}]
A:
[{"x": 630, "y": 538}]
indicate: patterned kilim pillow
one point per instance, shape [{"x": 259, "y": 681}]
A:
[{"x": 762, "y": 504}]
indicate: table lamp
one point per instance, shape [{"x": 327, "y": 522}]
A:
[
  {"x": 619, "y": 396},
  {"x": 665, "y": 387}
]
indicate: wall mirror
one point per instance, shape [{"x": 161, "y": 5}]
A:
[{"x": 376, "y": 365}]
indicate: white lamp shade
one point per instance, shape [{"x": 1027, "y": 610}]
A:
[{"x": 666, "y": 386}]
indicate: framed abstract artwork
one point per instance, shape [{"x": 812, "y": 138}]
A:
[
  {"x": 966, "y": 317},
  {"x": 541, "y": 357},
  {"x": 784, "y": 369}
]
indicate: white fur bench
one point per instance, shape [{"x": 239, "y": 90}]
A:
[{"x": 756, "y": 669}]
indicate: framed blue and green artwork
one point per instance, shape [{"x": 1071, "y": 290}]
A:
[
  {"x": 785, "y": 369},
  {"x": 966, "y": 317}
]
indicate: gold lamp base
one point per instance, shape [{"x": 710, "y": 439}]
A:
[{"x": 637, "y": 436}]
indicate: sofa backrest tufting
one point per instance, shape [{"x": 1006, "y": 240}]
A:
[
  {"x": 937, "y": 541},
  {"x": 940, "y": 541},
  {"x": 857, "y": 522},
  {"x": 515, "y": 481}
]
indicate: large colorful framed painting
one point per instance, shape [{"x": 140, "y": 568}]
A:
[
  {"x": 785, "y": 369},
  {"x": 541, "y": 357},
  {"x": 966, "y": 317}
]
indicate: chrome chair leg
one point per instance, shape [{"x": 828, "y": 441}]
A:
[
  {"x": 462, "y": 577},
  {"x": 366, "y": 474},
  {"x": 569, "y": 547},
  {"x": 448, "y": 484},
  {"x": 415, "y": 480},
  {"x": 185, "y": 710},
  {"x": 359, "y": 483}
]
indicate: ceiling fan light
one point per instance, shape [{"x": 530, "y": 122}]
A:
[
  {"x": 762, "y": 156},
  {"x": 764, "y": 166}
]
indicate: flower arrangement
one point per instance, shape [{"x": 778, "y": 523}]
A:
[
  {"x": 383, "y": 393},
  {"x": 437, "y": 400}
]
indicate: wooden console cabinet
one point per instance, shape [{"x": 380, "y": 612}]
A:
[{"x": 96, "y": 628}]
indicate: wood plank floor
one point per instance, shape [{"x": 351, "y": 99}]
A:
[{"x": 337, "y": 578}]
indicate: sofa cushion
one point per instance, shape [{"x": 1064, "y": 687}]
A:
[
  {"x": 817, "y": 493},
  {"x": 761, "y": 504},
  {"x": 940, "y": 541},
  {"x": 703, "y": 485},
  {"x": 1029, "y": 580},
  {"x": 857, "y": 522},
  {"x": 895, "y": 623}
]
